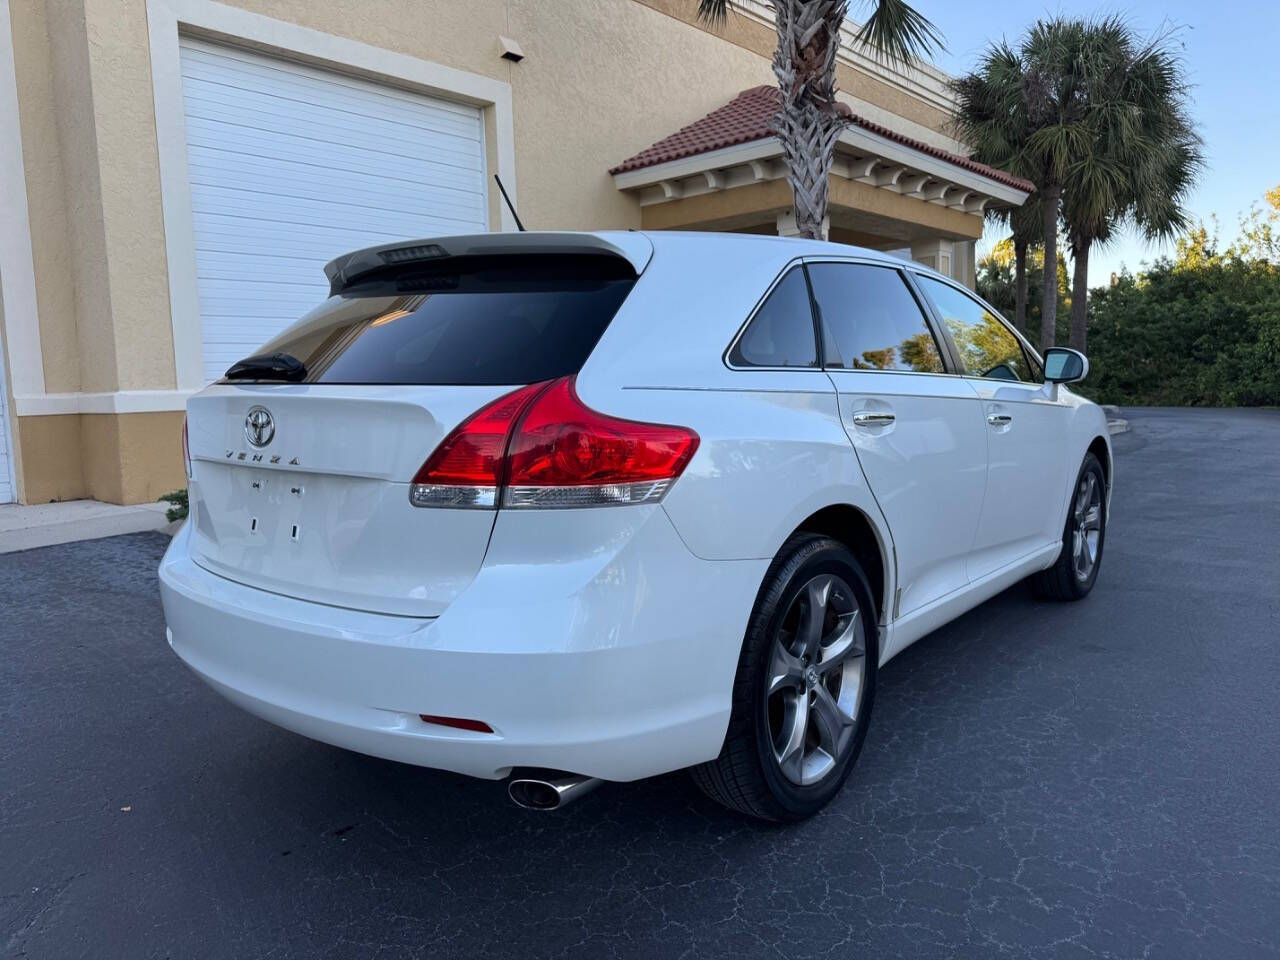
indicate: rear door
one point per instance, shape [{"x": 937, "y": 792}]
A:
[
  {"x": 1027, "y": 468},
  {"x": 917, "y": 429},
  {"x": 302, "y": 488}
]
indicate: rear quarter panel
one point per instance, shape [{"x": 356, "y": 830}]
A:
[{"x": 772, "y": 449}]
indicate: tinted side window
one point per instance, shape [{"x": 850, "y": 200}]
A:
[
  {"x": 986, "y": 346},
  {"x": 781, "y": 332},
  {"x": 872, "y": 319}
]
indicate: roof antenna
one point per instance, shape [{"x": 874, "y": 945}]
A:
[{"x": 510, "y": 206}]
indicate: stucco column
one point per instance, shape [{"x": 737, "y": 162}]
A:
[
  {"x": 936, "y": 253},
  {"x": 964, "y": 263}
]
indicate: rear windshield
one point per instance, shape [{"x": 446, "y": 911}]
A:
[{"x": 467, "y": 321}]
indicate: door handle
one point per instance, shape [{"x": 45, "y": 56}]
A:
[
  {"x": 999, "y": 419},
  {"x": 872, "y": 418}
]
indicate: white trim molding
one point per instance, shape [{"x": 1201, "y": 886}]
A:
[
  {"x": 121, "y": 401},
  {"x": 861, "y": 155},
  {"x": 17, "y": 265},
  {"x": 166, "y": 19}
]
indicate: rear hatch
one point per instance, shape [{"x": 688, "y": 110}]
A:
[{"x": 301, "y": 468}]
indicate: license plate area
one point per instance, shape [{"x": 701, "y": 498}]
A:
[{"x": 273, "y": 505}]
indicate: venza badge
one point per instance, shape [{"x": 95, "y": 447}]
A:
[{"x": 259, "y": 428}]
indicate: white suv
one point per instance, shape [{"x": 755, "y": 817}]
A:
[{"x": 577, "y": 507}]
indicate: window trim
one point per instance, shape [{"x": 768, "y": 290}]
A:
[
  {"x": 1032, "y": 354},
  {"x": 796, "y": 264},
  {"x": 949, "y": 363}
]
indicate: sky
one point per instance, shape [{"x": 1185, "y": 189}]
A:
[{"x": 1232, "y": 59}]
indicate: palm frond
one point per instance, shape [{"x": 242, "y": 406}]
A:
[
  {"x": 714, "y": 12},
  {"x": 899, "y": 32}
]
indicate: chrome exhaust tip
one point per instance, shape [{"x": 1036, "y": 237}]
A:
[{"x": 548, "y": 790}]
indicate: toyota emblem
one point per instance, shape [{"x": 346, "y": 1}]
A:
[{"x": 259, "y": 428}]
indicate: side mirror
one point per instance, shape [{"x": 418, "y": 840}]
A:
[{"x": 1062, "y": 365}]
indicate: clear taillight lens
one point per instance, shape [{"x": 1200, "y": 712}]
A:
[{"x": 541, "y": 446}]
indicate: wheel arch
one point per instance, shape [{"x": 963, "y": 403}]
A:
[
  {"x": 855, "y": 529},
  {"x": 1099, "y": 447}
]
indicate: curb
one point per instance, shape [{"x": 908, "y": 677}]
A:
[{"x": 46, "y": 525}]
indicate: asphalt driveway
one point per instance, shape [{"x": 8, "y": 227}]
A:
[{"x": 1043, "y": 780}]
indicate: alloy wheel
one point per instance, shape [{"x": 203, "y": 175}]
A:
[
  {"x": 1087, "y": 529},
  {"x": 816, "y": 676}
]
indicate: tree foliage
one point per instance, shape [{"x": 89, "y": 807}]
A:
[
  {"x": 1098, "y": 120},
  {"x": 1199, "y": 328},
  {"x": 1145, "y": 155},
  {"x": 996, "y": 282}
]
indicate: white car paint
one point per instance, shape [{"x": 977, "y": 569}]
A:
[{"x": 602, "y": 641}]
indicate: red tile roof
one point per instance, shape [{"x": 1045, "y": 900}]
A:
[{"x": 747, "y": 117}]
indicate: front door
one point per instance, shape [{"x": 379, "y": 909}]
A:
[
  {"x": 917, "y": 429},
  {"x": 1027, "y": 468}
]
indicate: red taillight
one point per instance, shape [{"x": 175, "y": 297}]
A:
[
  {"x": 466, "y": 469},
  {"x": 540, "y": 446},
  {"x": 186, "y": 449},
  {"x": 565, "y": 454}
]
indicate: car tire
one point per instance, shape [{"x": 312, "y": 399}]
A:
[
  {"x": 804, "y": 688},
  {"x": 1075, "y": 571}
]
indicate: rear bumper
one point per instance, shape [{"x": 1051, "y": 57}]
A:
[{"x": 613, "y": 658}]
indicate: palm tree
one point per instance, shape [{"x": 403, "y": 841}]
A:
[
  {"x": 1025, "y": 109},
  {"x": 810, "y": 119},
  {"x": 990, "y": 117},
  {"x": 1145, "y": 158}
]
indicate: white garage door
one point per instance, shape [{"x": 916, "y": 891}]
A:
[{"x": 291, "y": 166}]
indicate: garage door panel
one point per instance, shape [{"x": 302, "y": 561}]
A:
[
  {"x": 453, "y": 184},
  {"x": 438, "y": 203},
  {"x": 264, "y": 79},
  {"x": 252, "y": 123},
  {"x": 266, "y": 252},
  {"x": 364, "y": 171},
  {"x": 401, "y": 123},
  {"x": 291, "y": 166},
  {"x": 377, "y": 228},
  {"x": 319, "y": 213},
  {"x": 445, "y": 168}
]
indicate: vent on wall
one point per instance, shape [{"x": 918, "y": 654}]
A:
[{"x": 510, "y": 50}]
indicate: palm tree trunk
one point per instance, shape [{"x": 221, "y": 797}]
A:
[
  {"x": 1020, "y": 284},
  {"x": 1079, "y": 294},
  {"x": 810, "y": 120},
  {"x": 1049, "y": 302}
]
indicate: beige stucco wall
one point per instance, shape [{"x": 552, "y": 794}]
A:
[
  {"x": 116, "y": 458},
  {"x": 42, "y": 120},
  {"x": 601, "y": 80}
]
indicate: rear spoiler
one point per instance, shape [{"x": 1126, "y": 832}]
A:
[{"x": 343, "y": 271}]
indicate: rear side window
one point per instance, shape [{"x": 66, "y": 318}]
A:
[
  {"x": 987, "y": 347},
  {"x": 465, "y": 321},
  {"x": 781, "y": 332},
  {"x": 872, "y": 319}
]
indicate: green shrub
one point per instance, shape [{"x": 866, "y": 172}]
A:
[
  {"x": 1201, "y": 330},
  {"x": 179, "y": 509}
]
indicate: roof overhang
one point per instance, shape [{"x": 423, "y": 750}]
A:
[{"x": 862, "y": 156}]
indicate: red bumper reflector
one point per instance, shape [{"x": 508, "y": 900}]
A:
[{"x": 461, "y": 723}]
